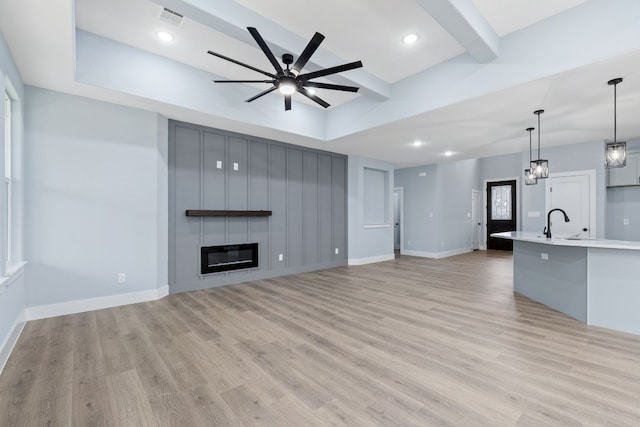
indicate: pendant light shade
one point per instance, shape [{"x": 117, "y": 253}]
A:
[
  {"x": 529, "y": 174},
  {"x": 541, "y": 166},
  {"x": 615, "y": 152}
]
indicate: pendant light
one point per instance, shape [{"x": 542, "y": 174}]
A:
[
  {"x": 541, "y": 166},
  {"x": 529, "y": 174},
  {"x": 615, "y": 152}
]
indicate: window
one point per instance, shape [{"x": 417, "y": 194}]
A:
[
  {"x": 10, "y": 193},
  {"x": 7, "y": 181},
  {"x": 501, "y": 207}
]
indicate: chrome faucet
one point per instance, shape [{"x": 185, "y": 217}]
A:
[{"x": 547, "y": 229}]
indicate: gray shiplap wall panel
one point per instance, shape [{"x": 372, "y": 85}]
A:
[
  {"x": 259, "y": 199},
  {"x": 325, "y": 220},
  {"x": 339, "y": 205},
  {"x": 304, "y": 188},
  {"x": 310, "y": 205},
  {"x": 294, "y": 208},
  {"x": 187, "y": 178},
  {"x": 238, "y": 191},
  {"x": 278, "y": 195},
  {"x": 214, "y": 180}
]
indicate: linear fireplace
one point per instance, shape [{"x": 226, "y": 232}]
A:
[{"x": 214, "y": 259}]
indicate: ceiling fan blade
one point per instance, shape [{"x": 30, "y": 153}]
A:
[
  {"x": 253, "y": 98},
  {"x": 219, "y": 55},
  {"x": 314, "y": 98},
  {"x": 331, "y": 86},
  {"x": 244, "y": 81},
  {"x": 313, "y": 45},
  {"x": 287, "y": 102},
  {"x": 263, "y": 45},
  {"x": 332, "y": 70}
]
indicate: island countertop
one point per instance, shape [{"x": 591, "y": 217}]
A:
[
  {"x": 592, "y": 280},
  {"x": 529, "y": 236}
]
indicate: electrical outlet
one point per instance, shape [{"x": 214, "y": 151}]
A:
[
  {"x": 337, "y": 251},
  {"x": 544, "y": 256},
  {"x": 122, "y": 277},
  {"x": 625, "y": 221},
  {"x": 281, "y": 257}
]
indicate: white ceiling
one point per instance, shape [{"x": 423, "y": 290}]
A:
[{"x": 433, "y": 91}]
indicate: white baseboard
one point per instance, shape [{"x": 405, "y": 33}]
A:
[
  {"x": 9, "y": 343},
  {"x": 80, "y": 306},
  {"x": 371, "y": 260},
  {"x": 436, "y": 255}
]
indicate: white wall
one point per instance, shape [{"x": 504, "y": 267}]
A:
[{"x": 95, "y": 199}]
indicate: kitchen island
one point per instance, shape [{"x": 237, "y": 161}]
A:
[{"x": 595, "y": 281}]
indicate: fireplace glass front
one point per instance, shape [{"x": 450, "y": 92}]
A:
[{"x": 215, "y": 259}]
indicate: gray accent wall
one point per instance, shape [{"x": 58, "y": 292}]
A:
[{"x": 212, "y": 169}]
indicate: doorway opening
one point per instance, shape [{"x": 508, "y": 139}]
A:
[{"x": 398, "y": 219}]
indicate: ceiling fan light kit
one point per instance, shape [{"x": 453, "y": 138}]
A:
[
  {"x": 616, "y": 151},
  {"x": 289, "y": 80}
]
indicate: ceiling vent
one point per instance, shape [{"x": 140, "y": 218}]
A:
[{"x": 171, "y": 17}]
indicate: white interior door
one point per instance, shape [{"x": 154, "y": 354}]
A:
[{"x": 573, "y": 193}]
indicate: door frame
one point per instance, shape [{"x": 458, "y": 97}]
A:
[
  {"x": 592, "y": 195},
  {"x": 400, "y": 191},
  {"x": 483, "y": 243},
  {"x": 479, "y": 219}
]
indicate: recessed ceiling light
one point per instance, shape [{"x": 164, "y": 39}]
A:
[
  {"x": 417, "y": 143},
  {"x": 448, "y": 153},
  {"x": 164, "y": 36},
  {"x": 410, "y": 39}
]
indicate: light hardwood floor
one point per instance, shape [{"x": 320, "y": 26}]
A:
[{"x": 409, "y": 342}]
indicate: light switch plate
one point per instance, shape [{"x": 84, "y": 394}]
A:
[
  {"x": 544, "y": 256},
  {"x": 236, "y": 167},
  {"x": 219, "y": 164}
]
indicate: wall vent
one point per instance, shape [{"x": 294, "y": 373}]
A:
[{"x": 171, "y": 17}]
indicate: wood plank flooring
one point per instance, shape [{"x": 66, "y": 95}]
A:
[{"x": 410, "y": 342}]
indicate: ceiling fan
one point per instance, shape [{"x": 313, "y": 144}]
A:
[{"x": 289, "y": 80}]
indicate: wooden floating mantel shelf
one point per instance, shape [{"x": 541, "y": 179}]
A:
[{"x": 194, "y": 212}]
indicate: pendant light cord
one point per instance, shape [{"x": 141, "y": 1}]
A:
[
  {"x": 615, "y": 113},
  {"x": 615, "y": 82},
  {"x": 537, "y": 113},
  {"x": 530, "y": 129},
  {"x": 539, "y": 136}
]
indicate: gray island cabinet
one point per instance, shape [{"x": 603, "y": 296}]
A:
[{"x": 595, "y": 281}]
